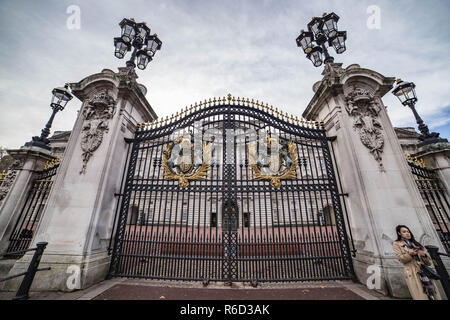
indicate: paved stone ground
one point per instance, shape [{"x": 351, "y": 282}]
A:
[{"x": 138, "y": 289}]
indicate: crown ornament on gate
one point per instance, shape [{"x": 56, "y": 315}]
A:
[
  {"x": 284, "y": 168},
  {"x": 185, "y": 168}
]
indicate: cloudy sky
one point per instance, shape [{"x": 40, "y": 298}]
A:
[{"x": 211, "y": 48}]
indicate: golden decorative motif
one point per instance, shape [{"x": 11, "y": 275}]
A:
[
  {"x": 287, "y": 168},
  {"x": 3, "y": 175},
  {"x": 184, "y": 172},
  {"x": 51, "y": 163},
  {"x": 417, "y": 161}
]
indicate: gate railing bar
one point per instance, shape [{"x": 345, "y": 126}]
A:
[
  {"x": 119, "y": 197},
  {"x": 440, "y": 268},
  {"x": 435, "y": 199},
  {"x": 22, "y": 293},
  {"x": 342, "y": 195}
]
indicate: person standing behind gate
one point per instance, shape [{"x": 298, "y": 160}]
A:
[{"x": 412, "y": 254}]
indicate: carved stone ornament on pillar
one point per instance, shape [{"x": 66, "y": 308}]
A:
[
  {"x": 364, "y": 109},
  {"x": 97, "y": 114},
  {"x": 8, "y": 180}
]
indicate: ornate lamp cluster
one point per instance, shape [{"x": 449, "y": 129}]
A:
[
  {"x": 136, "y": 35},
  {"x": 234, "y": 101},
  {"x": 322, "y": 33},
  {"x": 61, "y": 96},
  {"x": 406, "y": 93}
]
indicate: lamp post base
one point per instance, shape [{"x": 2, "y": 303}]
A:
[
  {"x": 431, "y": 140},
  {"x": 38, "y": 142}
]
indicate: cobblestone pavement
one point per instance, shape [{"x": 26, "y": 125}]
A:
[{"x": 138, "y": 289}]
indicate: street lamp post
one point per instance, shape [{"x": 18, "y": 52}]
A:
[
  {"x": 405, "y": 92},
  {"x": 61, "y": 96},
  {"x": 322, "y": 33},
  {"x": 136, "y": 36}
]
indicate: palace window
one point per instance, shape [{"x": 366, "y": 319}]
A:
[
  {"x": 213, "y": 219},
  {"x": 246, "y": 220}
]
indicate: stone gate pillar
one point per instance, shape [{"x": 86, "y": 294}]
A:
[
  {"x": 381, "y": 190},
  {"x": 78, "y": 219}
]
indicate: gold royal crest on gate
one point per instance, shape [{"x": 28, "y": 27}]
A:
[
  {"x": 176, "y": 168},
  {"x": 265, "y": 169}
]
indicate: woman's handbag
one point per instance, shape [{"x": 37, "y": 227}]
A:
[{"x": 429, "y": 272}]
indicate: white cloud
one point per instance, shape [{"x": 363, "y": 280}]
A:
[{"x": 211, "y": 48}]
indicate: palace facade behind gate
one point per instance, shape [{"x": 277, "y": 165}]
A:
[{"x": 116, "y": 198}]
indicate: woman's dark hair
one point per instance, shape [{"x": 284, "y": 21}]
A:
[{"x": 399, "y": 237}]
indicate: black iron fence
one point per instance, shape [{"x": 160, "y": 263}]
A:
[
  {"x": 31, "y": 211},
  {"x": 435, "y": 198},
  {"x": 22, "y": 293},
  {"x": 440, "y": 267}
]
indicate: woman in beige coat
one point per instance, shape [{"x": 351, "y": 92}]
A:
[{"x": 412, "y": 254}]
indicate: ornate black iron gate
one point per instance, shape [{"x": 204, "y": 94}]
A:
[
  {"x": 435, "y": 198},
  {"x": 32, "y": 209},
  {"x": 200, "y": 203}
]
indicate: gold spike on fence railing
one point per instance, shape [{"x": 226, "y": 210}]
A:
[{"x": 422, "y": 163}]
